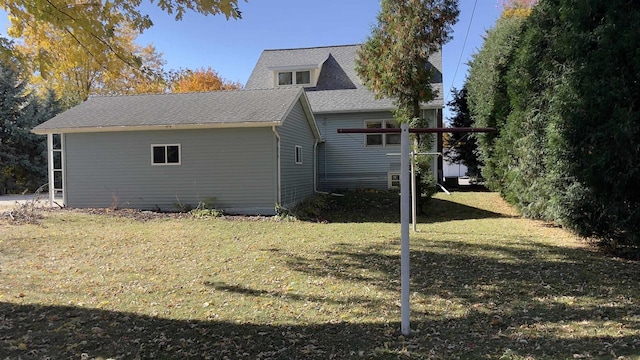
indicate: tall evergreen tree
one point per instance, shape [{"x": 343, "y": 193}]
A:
[
  {"x": 488, "y": 100},
  {"x": 23, "y": 159},
  {"x": 579, "y": 105},
  {"x": 394, "y": 61},
  {"x": 563, "y": 96}
]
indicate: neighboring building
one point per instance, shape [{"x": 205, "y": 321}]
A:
[
  {"x": 339, "y": 100},
  {"x": 272, "y": 144},
  {"x": 454, "y": 170},
  {"x": 248, "y": 150}
]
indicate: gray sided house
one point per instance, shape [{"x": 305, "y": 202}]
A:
[
  {"x": 273, "y": 144},
  {"x": 339, "y": 100},
  {"x": 248, "y": 150}
]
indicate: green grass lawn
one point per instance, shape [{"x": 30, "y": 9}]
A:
[{"x": 486, "y": 284}]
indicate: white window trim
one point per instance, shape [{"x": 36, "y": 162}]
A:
[
  {"x": 296, "y": 77},
  {"x": 390, "y": 180},
  {"x": 298, "y": 150},
  {"x": 165, "y": 155},
  {"x": 384, "y": 136},
  {"x": 367, "y": 135},
  {"x": 55, "y": 193},
  {"x": 293, "y": 77}
]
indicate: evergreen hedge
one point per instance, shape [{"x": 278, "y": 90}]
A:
[{"x": 568, "y": 149}]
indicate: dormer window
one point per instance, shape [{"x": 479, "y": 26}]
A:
[
  {"x": 285, "y": 78},
  {"x": 300, "y": 77},
  {"x": 303, "y": 77}
]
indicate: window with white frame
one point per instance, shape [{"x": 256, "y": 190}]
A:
[
  {"x": 165, "y": 154},
  {"x": 56, "y": 162},
  {"x": 298, "y": 154},
  {"x": 300, "y": 77},
  {"x": 381, "y": 139},
  {"x": 393, "y": 180},
  {"x": 285, "y": 78},
  {"x": 303, "y": 77}
]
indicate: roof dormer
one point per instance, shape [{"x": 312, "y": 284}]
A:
[{"x": 300, "y": 75}]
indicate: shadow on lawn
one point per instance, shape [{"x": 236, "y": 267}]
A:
[
  {"x": 31, "y": 331},
  {"x": 543, "y": 295},
  {"x": 541, "y": 303},
  {"x": 289, "y": 296},
  {"x": 384, "y": 206},
  {"x": 438, "y": 210}
]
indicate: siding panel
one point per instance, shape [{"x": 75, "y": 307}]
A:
[
  {"x": 344, "y": 162},
  {"x": 234, "y": 166},
  {"x": 296, "y": 179}
]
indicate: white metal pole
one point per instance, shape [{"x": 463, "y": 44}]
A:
[
  {"x": 63, "y": 155},
  {"x": 414, "y": 196},
  {"x": 404, "y": 230}
]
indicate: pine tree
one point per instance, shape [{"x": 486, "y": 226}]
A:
[
  {"x": 394, "y": 61},
  {"x": 23, "y": 159}
]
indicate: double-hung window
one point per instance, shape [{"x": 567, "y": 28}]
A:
[
  {"x": 381, "y": 139},
  {"x": 165, "y": 154}
]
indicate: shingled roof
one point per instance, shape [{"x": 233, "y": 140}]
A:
[
  {"x": 240, "y": 108},
  {"x": 339, "y": 89}
]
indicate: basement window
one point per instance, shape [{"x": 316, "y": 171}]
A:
[
  {"x": 393, "y": 181},
  {"x": 168, "y": 154}
]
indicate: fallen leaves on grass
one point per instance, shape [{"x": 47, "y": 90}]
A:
[{"x": 484, "y": 284}]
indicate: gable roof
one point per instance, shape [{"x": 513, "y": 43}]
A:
[
  {"x": 339, "y": 89},
  {"x": 239, "y": 108}
]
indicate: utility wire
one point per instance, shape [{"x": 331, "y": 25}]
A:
[{"x": 464, "y": 44}]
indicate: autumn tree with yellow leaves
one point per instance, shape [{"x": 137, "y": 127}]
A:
[
  {"x": 81, "y": 48},
  {"x": 201, "y": 80},
  {"x": 517, "y": 8},
  {"x": 93, "y": 25},
  {"x": 57, "y": 62}
]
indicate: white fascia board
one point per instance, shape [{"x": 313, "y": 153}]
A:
[
  {"x": 294, "y": 67},
  {"x": 350, "y": 111},
  {"x": 155, "y": 127}
]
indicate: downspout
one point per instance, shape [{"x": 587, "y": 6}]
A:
[
  {"x": 315, "y": 166},
  {"x": 325, "y": 150},
  {"x": 439, "y": 147},
  {"x": 278, "y": 184}
]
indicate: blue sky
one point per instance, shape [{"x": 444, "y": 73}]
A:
[{"x": 233, "y": 47}]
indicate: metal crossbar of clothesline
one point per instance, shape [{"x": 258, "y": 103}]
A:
[
  {"x": 415, "y": 130},
  {"x": 404, "y": 131}
]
